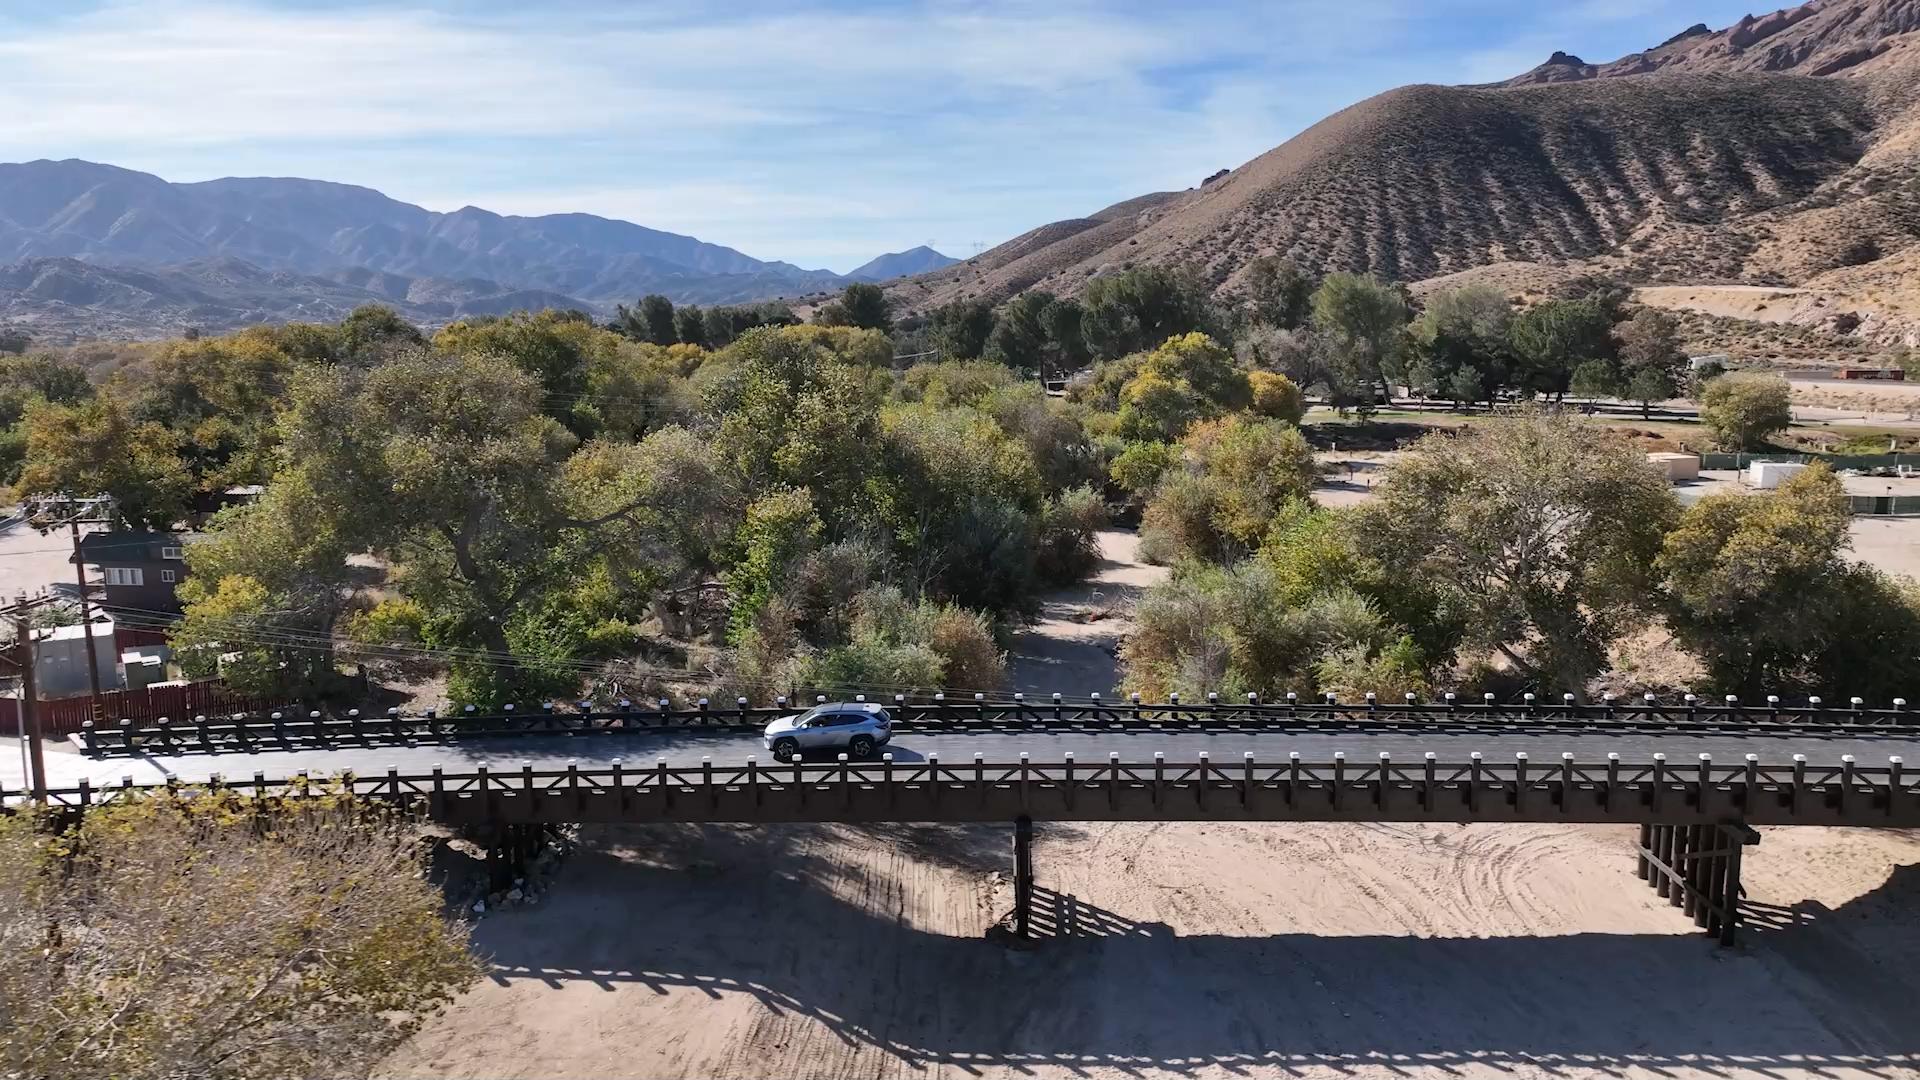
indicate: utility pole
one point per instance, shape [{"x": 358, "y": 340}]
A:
[
  {"x": 29, "y": 716},
  {"x": 86, "y": 622}
]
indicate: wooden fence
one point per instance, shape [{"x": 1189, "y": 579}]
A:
[{"x": 64, "y": 716}]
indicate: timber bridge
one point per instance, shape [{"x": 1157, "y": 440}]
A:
[{"x": 1695, "y": 778}]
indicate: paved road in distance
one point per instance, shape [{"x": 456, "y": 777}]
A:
[{"x": 998, "y": 746}]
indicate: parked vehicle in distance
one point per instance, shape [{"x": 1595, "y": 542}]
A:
[{"x": 858, "y": 727}]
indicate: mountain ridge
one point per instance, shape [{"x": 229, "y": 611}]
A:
[
  {"x": 1718, "y": 162},
  {"x": 105, "y": 213}
]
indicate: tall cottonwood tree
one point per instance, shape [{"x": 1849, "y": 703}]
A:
[{"x": 1538, "y": 531}]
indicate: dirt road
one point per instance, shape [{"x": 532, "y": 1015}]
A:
[{"x": 1071, "y": 648}]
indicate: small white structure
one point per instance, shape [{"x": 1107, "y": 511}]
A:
[
  {"x": 1767, "y": 475},
  {"x": 1676, "y": 466}
]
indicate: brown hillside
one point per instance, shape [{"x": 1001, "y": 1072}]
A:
[
  {"x": 1725, "y": 158},
  {"x": 1429, "y": 180},
  {"x": 1819, "y": 38}
]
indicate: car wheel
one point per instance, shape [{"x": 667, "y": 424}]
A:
[
  {"x": 784, "y": 749},
  {"x": 860, "y": 746}
]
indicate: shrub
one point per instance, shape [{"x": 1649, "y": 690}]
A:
[
  {"x": 1276, "y": 397},
  {"x": 1070, "y": 536},
  {"x": 1742, "y": 411},
  {"x": 218, "y": 937}
]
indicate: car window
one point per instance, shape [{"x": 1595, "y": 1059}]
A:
[
  {"x": 846, "y": 718},
  {"x": 809, "y": 716}
]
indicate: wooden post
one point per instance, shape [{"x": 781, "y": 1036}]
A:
[
  {"x": 29, "y": 713},
  {"x": 1022, "y": 875},
  {"x": 1730, "y": 886},
  {"x": 1662, "y": 851},
  {"x": 86, "y": 623}
]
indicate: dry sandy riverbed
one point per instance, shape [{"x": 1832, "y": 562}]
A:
[
  {"x": 1184, "y": 950},
  {"x": 1194, "y": 950}
]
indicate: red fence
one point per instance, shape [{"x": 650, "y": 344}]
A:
[{"x": 65, "y": 715}]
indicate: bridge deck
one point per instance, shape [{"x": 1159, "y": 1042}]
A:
[
  {"x": 1203, "y": 789},
  {"x": 686, "y": 748}
]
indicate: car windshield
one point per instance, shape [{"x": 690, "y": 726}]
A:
[{"x": 809, "y": 715}]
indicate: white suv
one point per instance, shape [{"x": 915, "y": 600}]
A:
[{"x": 859, "y": 728}]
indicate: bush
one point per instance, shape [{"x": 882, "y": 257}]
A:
[
  {"x": 1138, "y": 467},
  {"x": 1276, "y": 397},
  {"x": 1070, "y": 536},
  {"x": 954, "y": 382},
  {"x": 218, "y": 937},
  {"x": 903, "y": 645},
  {"x": 1241, "y": 473},
  {"x": 1742, "y": 411}
]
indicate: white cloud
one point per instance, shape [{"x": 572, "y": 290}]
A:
[{"x": 789, "y": 130}]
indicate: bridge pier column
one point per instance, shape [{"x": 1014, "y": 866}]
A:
[
  {"x": 1022, "y": 876},
  {"x": 1696, "y": 868}
]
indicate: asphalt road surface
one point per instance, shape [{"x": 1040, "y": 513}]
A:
[{"x": 65, "y": 768}]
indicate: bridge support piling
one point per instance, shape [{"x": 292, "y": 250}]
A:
[
  {"x": 1696, "y": 868},
  {"x": 1022, "y": 876}
]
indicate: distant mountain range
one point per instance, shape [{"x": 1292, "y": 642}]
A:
[{"x": 94, "y": 249}]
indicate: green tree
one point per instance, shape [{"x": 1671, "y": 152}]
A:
[
  {"x": 220, "y": 937},
  {"x": 373, "y": 332},
  {"x": 41, "y": 376},
  {"x": 1467, "y": 384},
  {"x": 1187, "y": 378},
  {"x": 1647, "y": 385},
  {"x": 1363, "y": 320},
  {"x": 1461, "y": 330},
  {"x": 1158, "y": 408},
  {"x": 1240, "y": 472},
  {"x": 1751, "y": 580},
  {"x": 1137, "y": 469},
  {"x": 959, "y": 331},
  {"x": 1066, "y": 340},
  {"x": 864, "y": 306},
  {"x": 1279, "y": 294},
  {"x": 557, "y": 348},
  {"x": 268, "y": 585},
  {"x": 1553, "y": 338},
  {"x": 95, "y": 448},
  {"x": 789, "y": 413},
  {"x": 1141, "y": 308},
  {"x": 1742, "y": 412},
  {"x": 1595, "y": 379},
  {"x": 690, "y": 326},
  {"x": 656, "y": 320},
  {"x": 1538, "y": 531},
  {"x": 445, "y": 465},
  {"x": 779, "y": 529},
  {"x": 1020, "y": 336},
  {"x": 1201, "y": 363}
]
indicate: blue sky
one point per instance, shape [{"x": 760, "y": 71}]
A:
[{"x": 822, "y": 133}]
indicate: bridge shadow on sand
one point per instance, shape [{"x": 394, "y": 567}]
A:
[{"x": 764, "y": 913}]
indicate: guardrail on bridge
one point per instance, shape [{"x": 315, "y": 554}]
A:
[{"x": 248, "y": 732}]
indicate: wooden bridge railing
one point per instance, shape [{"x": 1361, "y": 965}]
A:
[
  {"x": 286, "y": 729},
  {"x": 1699, "y": 792}
]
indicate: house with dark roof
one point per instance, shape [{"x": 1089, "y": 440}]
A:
[{"x": 139, "y": 569}]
